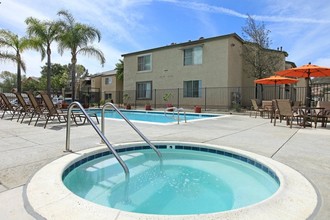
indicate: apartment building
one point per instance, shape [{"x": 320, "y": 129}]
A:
[
  {"x": 108, "y": 85},
  {"x": 189, "y": 70}
]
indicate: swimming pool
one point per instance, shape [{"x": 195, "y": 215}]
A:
[
  {"x": 48, "y": 197},
  {"x": 154, "y": 116},
  {"x": 190, "y": 180}
]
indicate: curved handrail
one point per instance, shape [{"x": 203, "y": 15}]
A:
[
  {"x": 178, "y": 110},
  {"x": 105, "y": 140},
  {"x": 130, "y": 123}
]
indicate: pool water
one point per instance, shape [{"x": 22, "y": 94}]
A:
[
  {"x": 187, "y": 182},
  {"x": 154, "y": 117}
]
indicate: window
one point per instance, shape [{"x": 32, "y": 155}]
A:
[
  {"x": 144, "y": 63},
  {"x": 192, "y": 88},
  {"x": 193, "y": 56},
  {"x": 107, "y": 96},
  {"x": 108, "y": 81},
  {"x": 143, "y": 90}
]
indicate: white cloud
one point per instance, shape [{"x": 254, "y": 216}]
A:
[
  {"x": 301, "y": 28},
  {"x": 216, "y": 9},
  {"x": 117, "y": 22}
]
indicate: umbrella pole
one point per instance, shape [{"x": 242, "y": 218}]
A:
[
  {"x": 308, "y": 93},
  {"x": 275, "y": 89}
]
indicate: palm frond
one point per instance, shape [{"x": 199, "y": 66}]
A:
[
  {"x": 92, "y": 51},
  {"x": 4, "y": 56}
]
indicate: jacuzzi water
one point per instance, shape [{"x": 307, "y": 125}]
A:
[{"x": 187, "y": 182}]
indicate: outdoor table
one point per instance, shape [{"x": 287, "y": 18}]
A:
[{"x": 311, "y": 114}]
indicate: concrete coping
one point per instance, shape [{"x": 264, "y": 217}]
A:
[{"x": 48, "y": 197}]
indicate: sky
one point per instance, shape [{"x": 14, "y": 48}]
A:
[{"x": 301, "y": 29}]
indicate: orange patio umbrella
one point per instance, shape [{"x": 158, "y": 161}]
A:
[
  {"x": 306, "y": 71},
  {"x": 275, "y": 80}
]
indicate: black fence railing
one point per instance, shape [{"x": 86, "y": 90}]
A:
[
  {"x": 221, "y": 98},
  {"x": 215, "y": 98}
]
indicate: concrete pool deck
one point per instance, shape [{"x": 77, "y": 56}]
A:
[{"x": 25, "y": 149}]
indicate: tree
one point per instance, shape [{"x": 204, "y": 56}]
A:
[
  {"x": 5, "y": 56},
  {"x": 8, "y": 81},
  {"x": 12, "y": 41},
  {"x": 120, "y": 70},
  {"x": 260, "y": 61},
  {"x": 59, "y": 76},
  {"x": 45, "y": 32},
  {"x": 256, "y": 33},
  {"x": 31, "y": 84},
  {"x": 76, "y": 37},
  {"x": 55, "y": 69}
]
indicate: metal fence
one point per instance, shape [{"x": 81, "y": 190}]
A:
[
  {"x": 221, "y": 98},
  {"x": 215, "y": 98}
]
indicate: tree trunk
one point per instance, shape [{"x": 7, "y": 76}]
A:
[
  {"x": 49, "y": 71},
  {"x": 73, "y": 77},
  {"x": 19, "y": 77}
]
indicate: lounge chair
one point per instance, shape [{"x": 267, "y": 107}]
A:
[
  {"x": 52, "y": 111},
  {"x": 25, "y": 108},
  {"x": 285, "y": 111},
  {"x": 8, "y": 107},
  {"x": 37, "y": 110}
]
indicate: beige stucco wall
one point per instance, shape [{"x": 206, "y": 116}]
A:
[
  {"x": 111, "y": 86},
  {"x": 221, "y": 66},
  {"x": 96, "y": 82},
  {"x": 114, "y": 88}
]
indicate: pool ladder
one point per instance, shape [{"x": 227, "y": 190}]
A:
[
  {"x": 101, "y": 133},
  {"x": 174, "y": 110}
]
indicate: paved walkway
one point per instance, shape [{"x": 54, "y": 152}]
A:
[{"x": 25, "y": 149}]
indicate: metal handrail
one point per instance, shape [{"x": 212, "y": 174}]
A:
[
  {"x": 98, "y": 131},
  {"x": 130, "y": 123},
  {"x": 178, "y": 110}
]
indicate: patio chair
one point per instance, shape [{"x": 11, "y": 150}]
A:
[
  {"x": 8, "y": 107},
  {"x": 296, "y": 105},
  {"x": 323, "y": 114},
  {"x": 25, "y": 108},
  {"x": 275, "y": 113},
  {"x": 285, "y": 111},
  {"x": 256, "y": 108},
  {"x": 267, "y": 106}
]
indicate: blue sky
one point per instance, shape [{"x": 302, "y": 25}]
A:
[{"x": 301, "y": 28}]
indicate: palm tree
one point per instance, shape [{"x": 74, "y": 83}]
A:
[
  {"x": 120, "y": 70},
  {"x": 44, "y": 32},
  {"x": 12, "y": 41},
  {"x": 4, "y": 56},
  {"x": 76, "y": 37}
]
